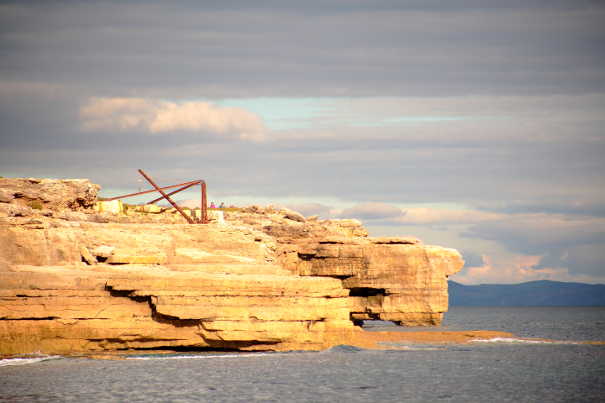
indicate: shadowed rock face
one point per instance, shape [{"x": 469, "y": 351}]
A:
[
  {"x": 74, "y": 279},
  {"x": 40, "y": 194}
]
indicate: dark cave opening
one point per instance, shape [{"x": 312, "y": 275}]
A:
[{"x": 366, "y": 292}]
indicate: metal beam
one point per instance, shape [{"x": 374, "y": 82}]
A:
[
  {"x": 189, "y": 220},
  {"x": 152, "y": 190},
  {"x": 175, "y": 191},
  {"x": 182, "y": 186}
]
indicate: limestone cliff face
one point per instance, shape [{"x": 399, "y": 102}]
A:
[
  {"x": 76, "y": 280},
  {"x": 392, "y": 279}
]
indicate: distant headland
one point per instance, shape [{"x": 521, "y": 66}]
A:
[{"x": 532, "y": 293}]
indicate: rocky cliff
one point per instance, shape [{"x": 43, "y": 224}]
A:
[{"x": 80, "y": 276}]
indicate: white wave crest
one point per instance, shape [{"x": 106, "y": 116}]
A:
[
  {"x": 520, "y": 341},
  {"x": 23, "y": 361},
  {"x": 405, "y": 347},
  {"x": 196, "y": 356}
]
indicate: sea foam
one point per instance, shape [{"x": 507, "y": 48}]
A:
[
  {"x": 23, "y": 361},
  {"x": 196, "y": 356},
  {"x": 521, "y": 341}
]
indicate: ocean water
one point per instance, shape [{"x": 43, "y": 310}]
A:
[{"x": 499, "y": 370}]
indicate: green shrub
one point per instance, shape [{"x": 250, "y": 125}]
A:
[{"x": 36, "y": 204}]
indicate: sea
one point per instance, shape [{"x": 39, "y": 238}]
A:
[{"x": 554, "y": 365}]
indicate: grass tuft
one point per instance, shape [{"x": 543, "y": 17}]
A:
[{"x": 35, "y": 204}]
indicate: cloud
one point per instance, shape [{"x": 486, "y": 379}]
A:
[
  {"x": 372, "y": 211},
  {"x": 429, "y": 216},
  {"x": 578, "y": 206},
  {"x": 472, "y": 259},
  {"x": 518, "y": 269},
  {"x": 28, "y": 88},
  {"x": 155, "y": 116},
  {"x": 575, "y": 242},
  {"x": 397, "y": 48},
  {"x": 387, "y": 214},
  {"x": 530, "y": 233}
]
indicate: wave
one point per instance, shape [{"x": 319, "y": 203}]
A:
[
  {"x": 513, "y": 340},
  {"x": 403, "y": 346},
  {"x": 27, "y": 360},
  {"x": 195, "y": 356},
  {"x": 344, "y": 348}
]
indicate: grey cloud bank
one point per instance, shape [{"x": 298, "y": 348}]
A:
[
  {"x": 477, "y": 122},
  {"x": 318, "y": 48}
]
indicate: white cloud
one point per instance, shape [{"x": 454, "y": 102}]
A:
[
  {"x": 389, "y": 214},
  {"x": 541, "y": 230},
  {"x": 426, "y": 216},
  {"x": 518, "y": 269},
  {"x": 372, "y": 211},
  {"x": 155, "y": 116}
]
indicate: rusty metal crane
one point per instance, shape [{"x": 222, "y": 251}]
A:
[{"x": 181, "y": 186}]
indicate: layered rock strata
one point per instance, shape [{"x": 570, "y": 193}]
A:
[
  {"x": 74, "y": 279},
  {"x": 394, "y": 279}
]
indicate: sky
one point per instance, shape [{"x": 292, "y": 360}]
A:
[{"x": 475, "y": 125}]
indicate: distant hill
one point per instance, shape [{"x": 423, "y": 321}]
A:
[{"x": 532, "y": 293}]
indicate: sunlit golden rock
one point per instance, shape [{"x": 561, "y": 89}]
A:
[{"x": 260, "y": 279}]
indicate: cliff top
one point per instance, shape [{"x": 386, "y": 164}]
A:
[{"x": 76, "y": 200}]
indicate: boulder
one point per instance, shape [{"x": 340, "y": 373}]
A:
[
  {"x": 56, "y": 194},
  {"x": 6, "y": 196},
  {"x": 293, "y": 215},
  {"x": 87, "y": 256},
  {"x": 112, "y": 206},
  {"x": 103, "y": 251}
]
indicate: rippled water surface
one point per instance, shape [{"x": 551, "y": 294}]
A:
[
  {"x": 477, "y": 372},
  {"x": 559, "y": 323}
]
